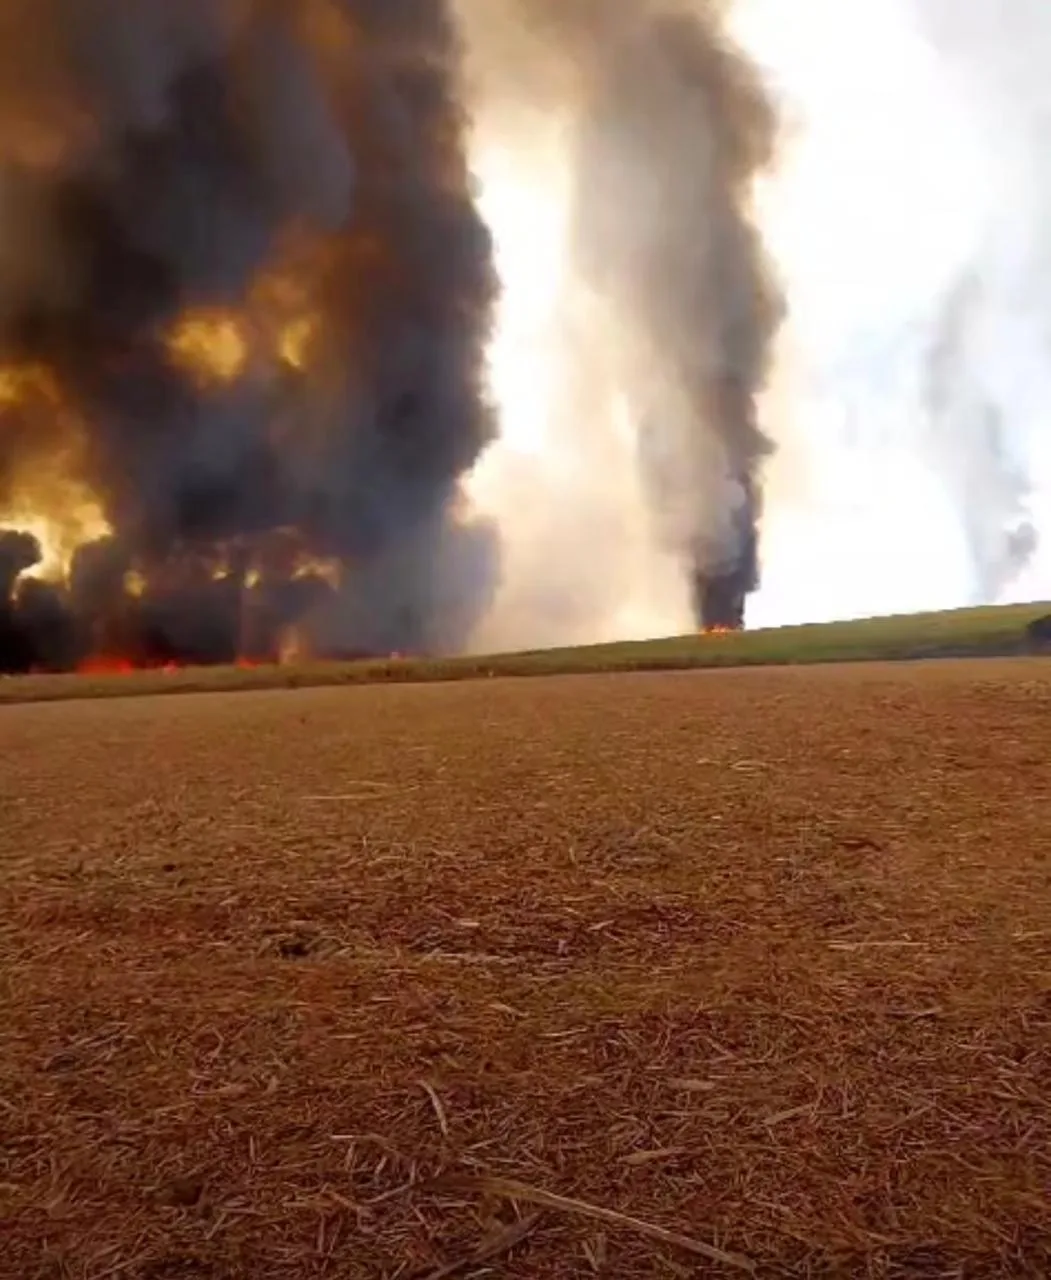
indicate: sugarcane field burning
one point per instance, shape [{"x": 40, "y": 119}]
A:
[
  {"x": 241, "y": 339},
  {"x": 252, "y": 311}
]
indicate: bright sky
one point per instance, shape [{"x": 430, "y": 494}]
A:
[
  {"x": 883, "y": 196},
  {"x": 893, "y": 183}
]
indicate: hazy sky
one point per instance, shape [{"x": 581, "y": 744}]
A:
[
  {"x": 912, "y": 395},
  {"x": 906, "y": 209}
]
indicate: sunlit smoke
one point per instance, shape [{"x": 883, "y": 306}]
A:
[
  {"x": 579, "y": 559},
  {"x": 911, "y": 472},
  {"x": 617, "y": 147}
]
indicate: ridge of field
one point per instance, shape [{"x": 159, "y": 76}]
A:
[
  {"x": 308, "y": 985},
  {"x": 991, "y": 631}
]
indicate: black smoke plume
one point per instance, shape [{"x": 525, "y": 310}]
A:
[
  {"x": 676, "y": 128},
  {"x": 669, "y": 125},
  {"x": 245, "y": 293}
]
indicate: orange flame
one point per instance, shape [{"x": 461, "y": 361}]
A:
[
  {"x": 212, "y": 346},
  {"x": 46, "y": 496},
  {"x": 112, "y": 664},
  {"x": 102, "y": 664}
]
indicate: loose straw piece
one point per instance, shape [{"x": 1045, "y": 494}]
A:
[
  {"x": 515, "y": 1190},
  {"x": 439, "y": 1109}
]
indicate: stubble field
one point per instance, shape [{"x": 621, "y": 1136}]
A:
[{"x": 433, "y": 980}]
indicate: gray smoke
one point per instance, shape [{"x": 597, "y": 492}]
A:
[
  {"x": 668, "y": 124},
  {"x": 987, "y": 388},
  {"x": 971, "y": 448}
]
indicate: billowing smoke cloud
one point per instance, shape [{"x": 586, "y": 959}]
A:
[
  {"x": 676, "y": 128},
  {"x": 667, "y": 125},
  {"x": 244, "y": 300}
]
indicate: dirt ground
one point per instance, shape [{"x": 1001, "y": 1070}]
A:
[{"x": 306, "y": 983}]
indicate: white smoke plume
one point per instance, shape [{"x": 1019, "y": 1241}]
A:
[{"x": 906, "y": 213}]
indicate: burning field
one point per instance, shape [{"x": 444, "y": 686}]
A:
[
  {"x": 248, "y": 302},
  {"x": 241, "y": 332},
  {"x": 664, "y": 974}
]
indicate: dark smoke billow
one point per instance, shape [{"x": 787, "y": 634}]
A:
[
  {"x": 670, "y": 124},
  {"x": 287, "y": 163},
  {"x": 676, "y": 127}
]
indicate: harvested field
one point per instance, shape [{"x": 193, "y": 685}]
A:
[{"x": 304, "y": 983}]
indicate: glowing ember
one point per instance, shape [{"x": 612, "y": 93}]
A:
[
  {"x": 294, "y": 342},
  {"x": 211, "y": 347},
  {"x": 329, "y": 571},
  {"x": 105, "y": 665}
]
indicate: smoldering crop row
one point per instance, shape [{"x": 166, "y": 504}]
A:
[{"x": 246, "y": 294}]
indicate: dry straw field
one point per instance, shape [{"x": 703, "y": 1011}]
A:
[{"x": 640, "y": 975}]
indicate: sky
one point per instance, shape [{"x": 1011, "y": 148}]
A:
[{"x": 904, "y": 184}]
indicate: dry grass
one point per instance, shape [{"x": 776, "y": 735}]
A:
[{"x": 528, "y": 978}]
